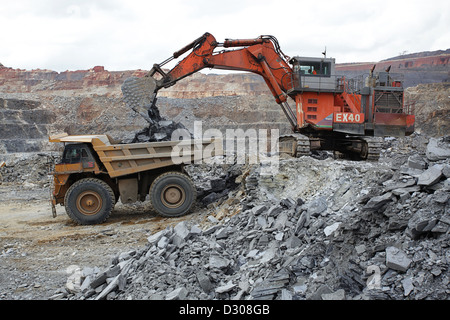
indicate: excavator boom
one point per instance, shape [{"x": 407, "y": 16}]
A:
[{"x": 260, "y": 56}]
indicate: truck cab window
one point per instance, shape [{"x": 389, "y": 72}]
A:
[{"x": 74, "y": 155}]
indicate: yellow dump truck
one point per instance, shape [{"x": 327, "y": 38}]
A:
[{"x": 95, "y": 171}]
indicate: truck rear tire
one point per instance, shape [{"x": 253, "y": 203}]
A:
[
  {"x": 89, "y": 201},
  {"x": 172, "y": 194}
]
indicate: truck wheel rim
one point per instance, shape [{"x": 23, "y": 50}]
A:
[
  {"x": 89, "y": 202},
  {"x": 173, "y": 196}
]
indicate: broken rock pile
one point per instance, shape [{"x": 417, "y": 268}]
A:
[
  {"x": 29, "y": 169},
  {"x": 316, "y": 229}
]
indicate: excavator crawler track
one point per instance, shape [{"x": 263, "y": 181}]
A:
[
  {"x": 296, "y": 145},
  {"x": 374, "y": 145},
  {"x": 303, "y": 146}
]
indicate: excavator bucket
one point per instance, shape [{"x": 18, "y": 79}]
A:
[{"x": 139, "y": 94}]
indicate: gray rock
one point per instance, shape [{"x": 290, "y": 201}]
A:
[
  {"x": 126, "y": 255},
  {"x": 259, "y": 209},
  {"x": 195, "y": 231},
  {"x": 177, "y": 294},
  {"x": 210, "y": 230},
  {"x": 376, "y": 203},
  {"x": 316, "y": 225},
  {"x": 271, "y": 252},
  {"x": 408, "y": 286},
  {"x": 86, "y": 285},
  {"x": 403, "y": 183},
  {"x": 204, "y": 281},
  {"x": 222, "y": 233},
  {"x": 113, "y": 271},
  {"x": 218, "y": 262},
  {"x": 302, "y": 221},
  {"x": 307, "y": 261},
  {"x": 293, "y": 242},
  {"x": 416, "y": 162},
  {"x": 261, "y": 220},
  {"x": 436, "y": 150},
  {"x": 317, "y": 206},
  {"x": 337, "y": 295},
  {"x": 280, "y": 222},
  {"x": 181, "y": 230},
  {"x": 99, "y": 280},
  {"x": 176, "y": 240},
  {"x": 430, "y": 176},
  {"x": 317, "y": 294},
  {"x": 288, "y": 202},
  {"x": 210, "y": 198},
  {"x": 165, "y": 123},
  {"x": 213, "y": 219},
  {"x": 441, "y": 197},
  {"x": 163, "y": 242},
  {"x": 422, "y": 221},
  {"x": 154, "y": 238},
  {"x": 274, "y": 211},
  {"x": 411, "y": 171},
  {"x": 301, "y": 286},
  {"x": 269, "y": 235},
  {"x": 360, "y": 249},
  {"x": 400, "y": 191},
  {"x": 446, "y": 170},
  {"x": 440, "y": 227},
  {"x": 331, "y": 228},
  {"x": 286, "y": 295},
  {"x": 218, "y": 185},
  {"x": 225, "y": 288},
  {"x": 267, "y": 289},
  {"x": 110, "y": 287},
  {"x": 158, "y": 136},
  {"x": 396, "y": 259}
]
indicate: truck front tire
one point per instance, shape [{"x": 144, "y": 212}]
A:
[
  {"x": 172, "y": 194},
  {"x": 89, "y": 201}
]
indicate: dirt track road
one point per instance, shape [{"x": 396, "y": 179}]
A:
[{"x": 36, "y": 249}]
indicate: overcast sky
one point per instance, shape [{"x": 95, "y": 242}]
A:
[{"x": 134, "y": 34}]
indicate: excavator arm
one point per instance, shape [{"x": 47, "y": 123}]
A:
[{"x": 261, "y": 55}]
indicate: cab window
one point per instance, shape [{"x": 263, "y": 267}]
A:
[
  {"x": 74, "y": 154},
  {"x": 314, "y": 68}
]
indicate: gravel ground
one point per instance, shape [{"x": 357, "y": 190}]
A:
[{"x": 36, "y": 249}]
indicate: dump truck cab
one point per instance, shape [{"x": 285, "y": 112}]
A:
[
  {"x": 78, "y": 153},
  {"x": 78, "y": 158}
]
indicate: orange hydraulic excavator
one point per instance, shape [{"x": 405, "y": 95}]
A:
[{"x": 331, "y": 112}]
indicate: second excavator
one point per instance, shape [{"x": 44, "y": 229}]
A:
[{"x": 331, "y": 112}]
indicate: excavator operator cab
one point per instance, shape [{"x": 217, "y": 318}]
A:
[
  {"x": 314, "y": 74},
  {"x": 313, "y": 68}
]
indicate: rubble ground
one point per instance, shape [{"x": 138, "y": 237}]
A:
[
  {"x": 36, "y": 249},
  {"x": 317, "y": 229}
]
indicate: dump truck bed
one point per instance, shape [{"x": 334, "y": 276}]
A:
[{"x": 124, "y": 159}]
